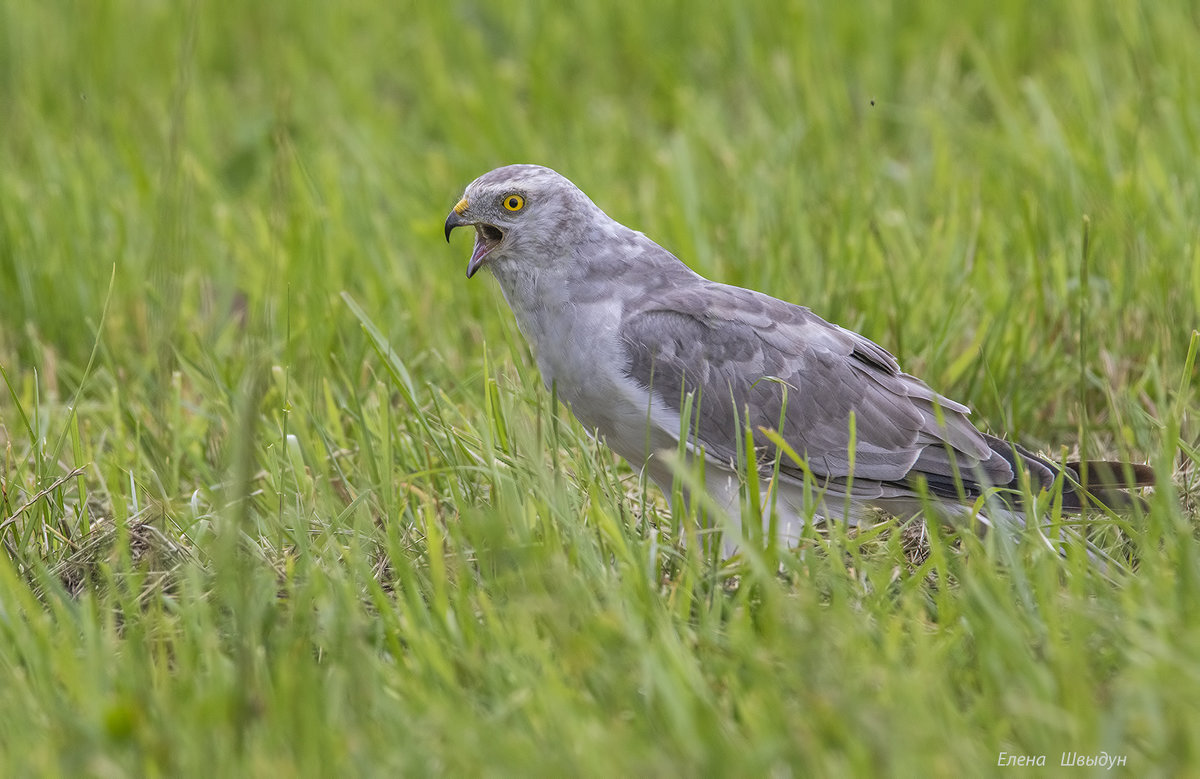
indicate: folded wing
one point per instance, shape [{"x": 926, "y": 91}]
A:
[{"x": 741, "y": 352}]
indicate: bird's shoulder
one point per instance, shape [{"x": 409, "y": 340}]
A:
[{"x": 711, "y": 321}]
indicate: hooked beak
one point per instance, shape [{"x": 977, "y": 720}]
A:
[
  {"x": 487, "y": 236},
  {"x": 453, "y": 221}
]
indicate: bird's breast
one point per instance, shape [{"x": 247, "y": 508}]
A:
[{"x": 575, "y": 337}]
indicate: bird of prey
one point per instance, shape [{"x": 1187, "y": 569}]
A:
[{"x": 633, "y": 340}]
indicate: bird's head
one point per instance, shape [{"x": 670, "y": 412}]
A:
[{"x": 517, "y": 211}]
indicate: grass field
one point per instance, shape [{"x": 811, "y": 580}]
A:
[{"x": 283, "y": 493}]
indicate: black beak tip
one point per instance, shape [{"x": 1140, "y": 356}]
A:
[{"x": 453, "y": 221}]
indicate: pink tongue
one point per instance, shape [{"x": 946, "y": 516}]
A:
[
  {"x": 480, "y": 249},
  {"x": 477, "y": 256}
]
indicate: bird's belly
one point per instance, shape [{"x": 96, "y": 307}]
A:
[
  {"x": 588, "y": 374},
  {"x": 617, "y": 410}
]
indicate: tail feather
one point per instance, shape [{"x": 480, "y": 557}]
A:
[
  {"x": 1098, "y": 483},
  {"x": 1105, "y": 483},
  {"x": 1113, "y": 474}
]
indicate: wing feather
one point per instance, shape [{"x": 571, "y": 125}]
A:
[{"x": 741, "y": 352}]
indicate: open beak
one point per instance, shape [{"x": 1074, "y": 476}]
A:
[{"x": 487, "y": 237}]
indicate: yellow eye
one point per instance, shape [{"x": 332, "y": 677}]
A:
[{"x": 514, "y": 202}]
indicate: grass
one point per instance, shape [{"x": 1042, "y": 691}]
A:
[{"x": 283, "y": 494}]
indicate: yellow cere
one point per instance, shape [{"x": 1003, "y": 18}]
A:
[
  {"x": 514, "y": 202},
  {"x": 460, "y": 206}
]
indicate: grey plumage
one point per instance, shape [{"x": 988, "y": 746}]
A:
[{"x": 625, "y": 331}]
